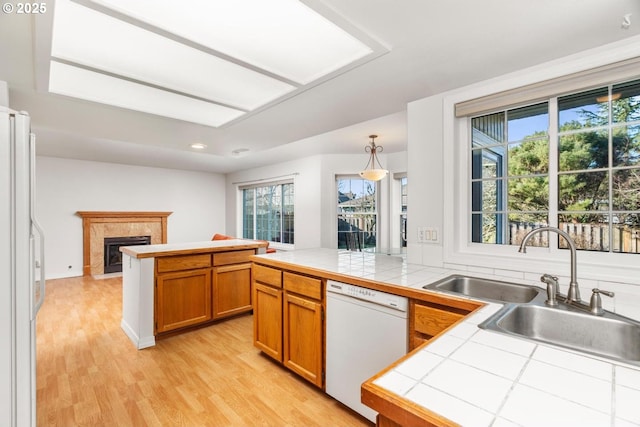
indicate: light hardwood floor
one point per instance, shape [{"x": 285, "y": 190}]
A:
[{"x": 90, "y": 374}]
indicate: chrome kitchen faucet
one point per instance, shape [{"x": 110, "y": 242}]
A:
[{"x": 574, "y": 293}]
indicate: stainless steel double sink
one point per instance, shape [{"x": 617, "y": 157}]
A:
[{"x": 569, "y": 326}]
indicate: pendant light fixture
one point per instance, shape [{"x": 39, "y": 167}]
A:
[{"x": 374, "y": 170}]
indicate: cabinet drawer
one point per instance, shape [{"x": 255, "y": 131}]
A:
[
  {"x": 267, "y": 275},
  {"x": 233, "y": 257},
  {"x": 303, "y": 285},
  {"x": 432, "y": 321},
  {"x": 183, "y": 262}
]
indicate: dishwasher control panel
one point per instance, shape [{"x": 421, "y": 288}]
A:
[{"x": 366, "y": 294}]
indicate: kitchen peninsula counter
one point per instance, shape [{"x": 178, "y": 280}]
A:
[
  {"x": 470, "y": 376},
  {"x": 169, "y": 287},
  {"x": 188, "y": 248}
]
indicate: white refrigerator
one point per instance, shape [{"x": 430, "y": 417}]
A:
[{"x": 21, "y": 269}]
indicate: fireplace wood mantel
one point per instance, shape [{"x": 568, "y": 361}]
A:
[{"x": 99, "y": 224}]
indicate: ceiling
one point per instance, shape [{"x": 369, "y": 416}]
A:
[{"x": 428, "y": 47}]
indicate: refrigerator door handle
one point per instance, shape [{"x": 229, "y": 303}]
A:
[{"x": 39, "y": 291}]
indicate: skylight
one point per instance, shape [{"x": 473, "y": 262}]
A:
[{"x": 217, "y": 60}]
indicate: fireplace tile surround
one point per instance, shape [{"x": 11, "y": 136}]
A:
[{"x": 96, "y": 225}]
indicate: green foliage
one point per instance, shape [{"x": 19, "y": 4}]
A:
[
  {"x": 530, "y": 157},
  {"x": 585, "y": 152}
]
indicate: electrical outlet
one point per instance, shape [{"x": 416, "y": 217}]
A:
[{"x": 421, "y": 237}]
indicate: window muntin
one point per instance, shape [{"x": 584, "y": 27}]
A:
[
  {"x": 597, "y": 191},
  {"x": 268, "y": 213},
  {"x": 357, "y": 213}
]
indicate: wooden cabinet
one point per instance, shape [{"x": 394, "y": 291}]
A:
[
  {"x": 182, "y": 262},
  {"x": 267, "y": 310},
  {"x": 196, "y": 289},
  {"x": 231, "y": 283},
  {"x": 303, "y": 327},
  {"x": 288, "y": 320},
  {"x": 429, "y": 319},
  {"x": 183, "y": 298},
  {"x": 231, "y": 290}
]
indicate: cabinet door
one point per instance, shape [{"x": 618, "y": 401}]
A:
[
  {"x": 231, "y": 290},
  {"x": 182, "y": 299},
  {"x": 303, "y": 350},
  {"x": 267, "y": 320}
]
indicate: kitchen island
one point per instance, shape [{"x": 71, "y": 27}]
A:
[
  {"x": 470, "y": 376},
  {"x": 167, "y": 288}
]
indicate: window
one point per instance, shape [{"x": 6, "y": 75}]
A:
[
  {"x": 267, "y": 213},
  {"x": 357, "y": 217},
  {"x": 579, "y": 171},
  {"x": 403, "y": 211}
]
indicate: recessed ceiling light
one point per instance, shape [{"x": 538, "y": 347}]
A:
[{"x": 198, "y": 146}]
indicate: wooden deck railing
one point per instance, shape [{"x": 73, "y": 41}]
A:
[{"x": 593, "y": 237}]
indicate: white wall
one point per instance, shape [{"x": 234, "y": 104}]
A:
[
  {"x": 315, "y": 193},
  {"x": 66, "y": 186},
  {"x": 425, "y": 178}
]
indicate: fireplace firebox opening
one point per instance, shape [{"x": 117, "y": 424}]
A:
[{"x": 112, "y": 254}]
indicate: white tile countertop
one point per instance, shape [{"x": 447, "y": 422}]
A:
[
  {"x": 481, "y": 378},
  {"x": 476, "y": 377},
  {"x": 382, "y": 268}
]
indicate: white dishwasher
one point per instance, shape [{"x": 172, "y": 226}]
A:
[{"x": 366, "y": 332}]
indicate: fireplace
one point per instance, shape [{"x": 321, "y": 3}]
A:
[
  {"x": 112, "y": 254},
  {"x": 98, "y": 225}
]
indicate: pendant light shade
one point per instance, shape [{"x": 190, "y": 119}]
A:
[{"x": 374, "y": 170}]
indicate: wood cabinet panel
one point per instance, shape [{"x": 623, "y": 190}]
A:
[
  {"x": 267, "y": 320},
  {"x": 231, "y": 290},
  {"x": 303, "y": 338},
  {"x": 182, "y": 299},
  {"x": 232, "y": 257},
  {"x": 302, "y": 285},
  {"x": 427, "y": 321},
  {"x": 267, "y": 275},
  {"x": 182, "y": 262},
  {"x": 432, "y": 321}
]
